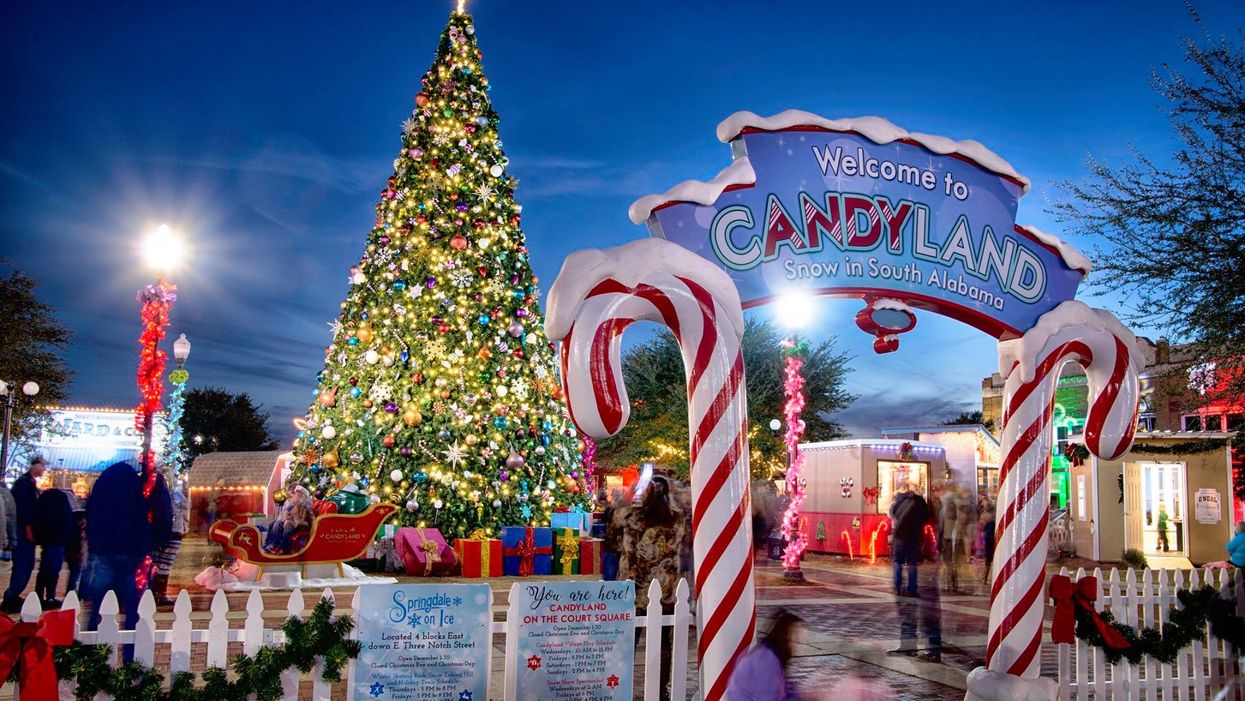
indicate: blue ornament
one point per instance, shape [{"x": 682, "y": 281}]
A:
[
  {"x": 421, "y": 477},
  {"x": 500, "y": 422},
  {"x": 519, "y": 294},
  {"x": 399, "y": 285},
  {"x": 315, "y": 469},
  {"x": 544, "y": 439},
  {"x": 483, "y": 320},
  {"x": 405, "y": 355},
  {"x": 353, "y": 341},
  {"x": 363, "y": 481},
  {"x": 363, "y": 316},
  {"x": 355, "y": 391},
  {"x": 547, "y": 425}
]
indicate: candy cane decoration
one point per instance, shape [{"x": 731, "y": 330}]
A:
[
  {"x": 1072, "y": 332},
  {"x": 597, "y": 295}
]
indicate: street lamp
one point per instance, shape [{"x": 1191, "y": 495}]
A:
[
  {"x": 775, "y": 426},
  {"x": 163, "y": 251},
  {"x": 8, "y": 389},
  {"x": 181, "y": 351}
]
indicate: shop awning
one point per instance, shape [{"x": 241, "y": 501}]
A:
[{"x": 87, "y": 459}]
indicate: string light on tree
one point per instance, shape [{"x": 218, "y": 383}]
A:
[{"x": 439, "y": 389}]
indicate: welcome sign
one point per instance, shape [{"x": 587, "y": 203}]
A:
[{"x": 862, "y": 208}]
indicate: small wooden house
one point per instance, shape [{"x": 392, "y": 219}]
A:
[{"x": 233, "y": 485}]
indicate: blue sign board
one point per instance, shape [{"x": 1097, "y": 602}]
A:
[
  {"x": 576, "y": 641},
  {"x": 836, "y": 213},
  {"x": 423, "y": 642}
]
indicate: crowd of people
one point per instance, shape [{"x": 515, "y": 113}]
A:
[{"x": 123, "y": 539}]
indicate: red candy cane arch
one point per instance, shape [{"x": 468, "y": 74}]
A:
[
  {"x": 597, "y": 295},
  {"x": 1072, "y": 332}
]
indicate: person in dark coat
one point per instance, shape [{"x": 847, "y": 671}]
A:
[
  {"x": 909, "y": 513},
  {"x": 26, "y": 494},
  {"x": 76, "y": 549},
  {"x": 54, "y": 527},
  {"x": 119, "y": 538}
]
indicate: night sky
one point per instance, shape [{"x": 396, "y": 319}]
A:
[{"x": 264, "y": 132}]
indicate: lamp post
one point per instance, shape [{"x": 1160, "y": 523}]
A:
[
  {"x": 162, "y": 251},
  {"x": 8, "y": 389}
]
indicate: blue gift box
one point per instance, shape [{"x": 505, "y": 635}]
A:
[
  {"x": 574, "y": 519},
  {"x": 542, "y": 540}
]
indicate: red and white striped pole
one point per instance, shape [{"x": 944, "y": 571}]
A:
[
  {"x": 597, "y": 295},
  {"x": 1072, "y": 332}
]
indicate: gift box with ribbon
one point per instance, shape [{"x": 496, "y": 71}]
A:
[
  {"x": 578, "y": 520},
  {"x": 424, "y": 552},
  {"x": 481, "y": 556},
  {"x": 590, "y": 555},
  {"x": 565, "y": 551},
  {"x": 526, "y": 551}
]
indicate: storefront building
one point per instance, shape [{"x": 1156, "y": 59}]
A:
[
  {"x": 1170, "y": 496},
  {"x": 971, "y": 450},
  {"x": 81, "y": 442}
]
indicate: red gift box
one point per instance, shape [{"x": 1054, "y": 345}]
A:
[
  {"x": 590, "y": 555},
  {"x": 424, "y": 552},
  {"x": 481, "y": 557}
]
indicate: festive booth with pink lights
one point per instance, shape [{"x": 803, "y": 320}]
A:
[{"x": 851, "y": 485}]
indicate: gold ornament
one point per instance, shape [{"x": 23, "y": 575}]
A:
[
  {"x": 330, "y": 459},
  {"x": 364, "y": 332},
  {"x": 412, "y": 417}
]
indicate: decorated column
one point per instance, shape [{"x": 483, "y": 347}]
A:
[
  {"x": 1072, "y": 332},
  {"x": 596, "y": 297},
  {"x": 793, "y": 389}
]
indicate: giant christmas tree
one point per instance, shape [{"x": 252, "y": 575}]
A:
[{"x": 438, "y": 391}]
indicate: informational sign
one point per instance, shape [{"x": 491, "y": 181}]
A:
[
  {"x": 1206, "y": 508},
  {"x": 423, "y": 642},
  {"x": 576, "y": 641},
  {"x": 838, "y": 213}
]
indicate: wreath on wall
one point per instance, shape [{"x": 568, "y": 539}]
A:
[
  {"x": 905, "y": 452},
  {"x": 1076, "y": 453},
  {"x": 322, "y": 638},
  {"x": 1076, "y": 619}
]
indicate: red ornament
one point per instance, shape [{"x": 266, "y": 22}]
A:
[
  {"x": 421, "y": 99},
  {"x": 388, "y": 441},
  {"x": 443, "y": 328},
  {"x": 458, "y": 242}
]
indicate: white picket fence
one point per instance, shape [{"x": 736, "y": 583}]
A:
[
  {"x": 1203, "y": 670},
  {"x": 182, "y": 639}
]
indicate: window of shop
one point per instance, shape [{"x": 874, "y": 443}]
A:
[
  {"x": 988, "y": 481},
  {"x": 1192, "y": 422},
  {"x": 892, "y": 474},
  {"x": 1235, "y": 422}
]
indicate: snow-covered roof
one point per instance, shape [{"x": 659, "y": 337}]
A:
[
  {"x": 739, "y": 172},
  {"x": 877, "y": 130}
]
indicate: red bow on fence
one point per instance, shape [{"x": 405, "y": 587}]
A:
[
  {"x": 29, "y": 646},
  {"x": 1068, "y": 597}
]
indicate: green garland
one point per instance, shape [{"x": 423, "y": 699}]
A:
[
  {"x": 321, "y": 637},
  {"x": 1181, "y": 448},
  {"x": 1185, "y": 626}
]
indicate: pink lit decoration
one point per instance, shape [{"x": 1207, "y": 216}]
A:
[{"x": 793, "y": 388}]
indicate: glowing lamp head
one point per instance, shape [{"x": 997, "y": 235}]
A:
[
  {"x": 181, "y": 350},
  {"x": 794, "y": 310},
  {"x": 162, "y": 249},
  {"x": 774, "y": 424}
]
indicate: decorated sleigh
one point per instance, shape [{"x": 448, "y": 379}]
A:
[{"x": 334, "y": 539}]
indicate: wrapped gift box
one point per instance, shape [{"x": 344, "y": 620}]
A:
[
  {"x": 388, "y": 530},
  {"x": 526, "y": 550},
  {"x": 481, "y": 557},
  {"x": 424, "y": 552},
  {"x": 578, "y": 520},
  {"x": 590, "y": 555},
  {"x": 565, "y": 551}
]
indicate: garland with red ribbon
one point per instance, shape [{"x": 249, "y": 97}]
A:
[
  {"x": 156, "y": 301},
  {"x": 27, "y": 649},
  {"x": 323, "y": 639},
  {"x": 1186, "y": 624}
]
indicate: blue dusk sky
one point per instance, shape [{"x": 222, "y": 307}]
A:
[{"x": 264, "y": 132}]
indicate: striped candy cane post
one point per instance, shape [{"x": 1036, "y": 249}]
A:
[
  {"x": 1072, "y": 332},
  {"x": 596, "y": 297}
]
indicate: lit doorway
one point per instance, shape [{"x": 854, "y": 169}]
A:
[{"x": 1155, "y": 496}]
